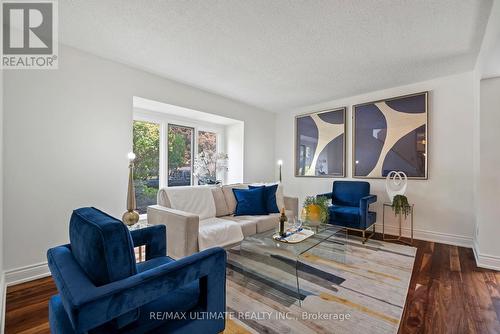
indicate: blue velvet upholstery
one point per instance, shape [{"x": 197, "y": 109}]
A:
[
  {"x": 160, "y": 284},
  {"x": 101, "y": 245},
  {"x": 97, "y": 241},
  {"x": 350, "y": 205},
  {"x": 250, "y": 201},
  {"x": 269, "y": 197}
]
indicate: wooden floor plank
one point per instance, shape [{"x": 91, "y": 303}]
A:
[{"x": 447, "y": 294}]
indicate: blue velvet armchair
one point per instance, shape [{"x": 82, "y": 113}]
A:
[
  {"x": 103, "y": 290},
  {"x": 350, "y": 206}
]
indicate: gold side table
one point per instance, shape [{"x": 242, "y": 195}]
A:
[{"x": 400, "y": 220}]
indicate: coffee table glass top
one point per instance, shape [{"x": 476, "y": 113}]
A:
[
  {"x": 282, "y": 268},
  {"x": 265, "y": 240}
]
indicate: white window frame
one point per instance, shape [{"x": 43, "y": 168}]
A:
[{"x": 164, "y": 120}]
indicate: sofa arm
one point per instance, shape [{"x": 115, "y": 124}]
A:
[
  {"x": 292, "y": 204},
  {"x": 182, "y": 229}
]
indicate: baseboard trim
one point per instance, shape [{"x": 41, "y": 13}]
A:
[
  {"x": 485, "y": 260},
  {"x": 26, "y": 274},
  {"x": 444, "y": 238}
]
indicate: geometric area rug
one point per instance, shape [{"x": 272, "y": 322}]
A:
[{"x": 367, "y": 295}]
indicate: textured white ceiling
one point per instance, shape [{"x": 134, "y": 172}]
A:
[{"x": 282, "y": 54}]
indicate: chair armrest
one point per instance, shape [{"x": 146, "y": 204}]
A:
[
  {"x": 81, "y": 298},
  {"x": 292, "y": 204},
  {"x": 154, "y": 238},
  {"x": 364, "y": 204},
  {"x": 182, "y": 229},
  {"x": 327, "y": 195}
]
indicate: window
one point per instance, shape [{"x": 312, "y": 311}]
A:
[
  {"x": 146, "y": 141},
  {"x": 207, "y": 142},
  {"x": 180, "y": 155},
  {"x": 168, "y": 141},
  {"x": 206, "y": 166}
]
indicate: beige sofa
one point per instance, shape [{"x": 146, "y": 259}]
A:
[{"x": 191, "y": 212}]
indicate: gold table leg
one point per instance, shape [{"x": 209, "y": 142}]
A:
[{"x": 400, "y": 220}]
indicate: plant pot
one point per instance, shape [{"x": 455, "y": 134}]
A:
[{"x": 314, "y": 213}]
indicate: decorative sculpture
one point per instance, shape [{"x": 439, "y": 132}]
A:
[{"x": 395, "y": 184}]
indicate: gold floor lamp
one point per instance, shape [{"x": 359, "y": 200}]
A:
[{"x": 131, "y": 216}]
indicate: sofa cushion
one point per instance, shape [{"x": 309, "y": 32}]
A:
[
  {"x": 261, "y": 224},
  {"x": 280, "y": 198},
  {"x": 101, "y": 245},
  {"x": 344, "y": 214},
  {"x": 248, "y": 224},
  {"x": 250, "y": 201},
  {"x": 229, "y": 195},
  {"x": 269, "y": 197},
  {"x": 266, "y": 223},
  {"x": 218, "y": 232},
  {"x": 220, "y": 202},
  {"x": 350, "y": 217}
]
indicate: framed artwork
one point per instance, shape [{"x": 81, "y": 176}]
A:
[
  {"x": 320, "y": 144},
  {"x": 391, "y": 135}
]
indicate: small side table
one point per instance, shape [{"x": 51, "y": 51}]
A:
[
  {"x": 400, "y": 219},
  {"x": 139, "y": 250}
]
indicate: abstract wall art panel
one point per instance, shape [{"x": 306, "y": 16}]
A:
[
  {"x": 320, "y": 144},
  {"x": 391, "y": 135}
]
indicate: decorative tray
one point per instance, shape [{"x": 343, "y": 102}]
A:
[{"x": 293, "y": 237}]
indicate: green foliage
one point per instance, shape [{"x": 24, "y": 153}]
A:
[
  {"x": 146, "y": 138},
  {"x": 144, "y": 195},
  {"x": 176, "y": 150},
  {"x": 322, "y": 202},
  {"x": 400, "y": 205}
]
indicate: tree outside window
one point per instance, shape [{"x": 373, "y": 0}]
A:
[
  {"x": 146, "y": 141},
  {"x": 180, "y": 139}
]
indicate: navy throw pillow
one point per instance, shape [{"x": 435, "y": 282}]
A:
[
  {"x": 250, "y": 202},
  {"x": 269, "y": 197}
]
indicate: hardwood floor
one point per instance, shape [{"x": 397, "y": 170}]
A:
[{"x": 448, "y": 294}]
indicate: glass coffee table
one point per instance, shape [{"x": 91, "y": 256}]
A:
[{"x": 267, "y": 264}]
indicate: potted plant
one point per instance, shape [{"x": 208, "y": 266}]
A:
[
  {"x": 400, "y": 205},
  {"x": 315, "y": 210}
]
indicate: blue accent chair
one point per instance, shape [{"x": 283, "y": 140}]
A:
[
  {"x": 103, "y": 290},
  {"x": 350, "y": 206}
]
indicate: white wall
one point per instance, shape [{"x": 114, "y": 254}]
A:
[
  {"x": 235, "y": 142},
  {"x": 488, "y": 208},
  {"x": 67, "y": 137},
  {"x": 488, "y": 63},
  {"x": 444, "y": 203},
  {"x": 486, "y": 148}
]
